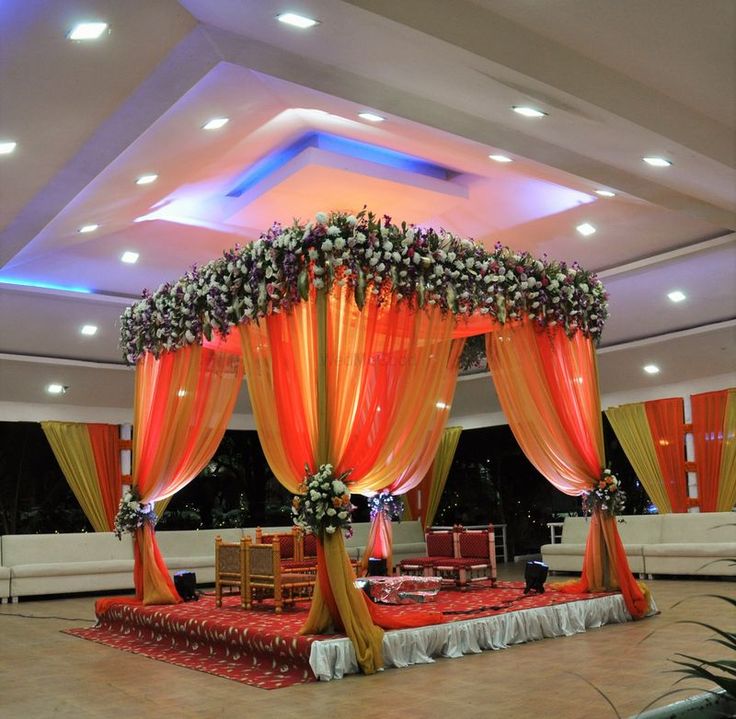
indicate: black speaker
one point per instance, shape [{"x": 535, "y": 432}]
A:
[
  {"x": 377, "y": 567},
  {"x": 535, "y": 576},
  {"x": 186, "y": 586}
]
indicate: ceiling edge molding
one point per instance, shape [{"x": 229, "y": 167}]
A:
[{"x": 64, "y": 362}]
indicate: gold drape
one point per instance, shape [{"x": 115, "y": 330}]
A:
[
  {"x": 727, "y": 486},
  {"x": 631, "y": 426},
  {"x": 73, "y": 451},
  {"x": 440, "y": 469}
]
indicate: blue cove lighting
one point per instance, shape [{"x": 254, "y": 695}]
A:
[
  {"x": 42, "y": 285},
  {"x": 357, "y": 149}
]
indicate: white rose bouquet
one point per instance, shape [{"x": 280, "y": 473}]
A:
[
  {"x": 133, "y": 514},
  {"x": 606, "y": 496},
  {"x": 323, "y": 504}
]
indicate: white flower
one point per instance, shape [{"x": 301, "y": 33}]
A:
[
  {"x": 327, "y": 246},
  {"x": 321, "y": 217},
  {"x": 342, "y": 515},
  {"x": 313, "y": 254},
  {"x": 333, "y": 230},
  {"x": 351, "y": 220},
  {"x": 331, "y": 511},
  {"x": 339, "y": 243},
  {"x": 318, "y": 283},
  {"x": 338, "y": 487},
  {"x": 330, "y": 530},
  {"x": 314, "y": 495},
  {"x": 135, "y": 506}
]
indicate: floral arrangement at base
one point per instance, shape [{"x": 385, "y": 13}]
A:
[
  {"x": 323, "y": 504},
  {"x": 390, "y": 504},
  {"x": 133, "y": 514},
  {"x": 607, "y": 496}
]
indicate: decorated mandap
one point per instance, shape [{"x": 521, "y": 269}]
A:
[{"x": 348, "y": 330}]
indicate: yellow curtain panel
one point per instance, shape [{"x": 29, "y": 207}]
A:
[
  {"x": 440, "y": 470},
  {"x": 631, "y": 426},
  {"x": 727, "y": 487}
]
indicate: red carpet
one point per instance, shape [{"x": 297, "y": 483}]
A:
[{"x": 262, "y": 648}]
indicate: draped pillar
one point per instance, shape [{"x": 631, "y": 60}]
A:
[
  {"x": 424, "y": 506},
  {"x": 90, "y": 461},
  {"x": 713, "y": 434},
  {"x": 183, "y": 402},
  {"x": 547, "y": 384},
  {"x": 359, "y": 389}
]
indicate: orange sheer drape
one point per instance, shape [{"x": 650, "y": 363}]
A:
[
  {"x": 547, "y": 384},
  {"x": 183, "y": 402},
  {"x": 358, "y": 389},
  {"x": 709, "y": 413},
  {"x": 666, "y": 419},
  {"x": 105, "y": 441}
]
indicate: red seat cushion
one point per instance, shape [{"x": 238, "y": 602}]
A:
[
  {"x": 475, "y": 544},
  {"x": 420, "y": 561},
  {"x": 464, "y": 562},
  {"x": 440, "y": 544}
]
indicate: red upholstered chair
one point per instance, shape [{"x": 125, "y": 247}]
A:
[
  {"x": 441, "y": 546},
  {"x": 475, "y": 560},
  {"x": 289, "y": 550}
]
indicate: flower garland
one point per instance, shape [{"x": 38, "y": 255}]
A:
[
  {"x": 390, "y": 504},
  {"x": 133, "y": 514},
  {"x": 607, "y": 496},
  {"x": 375, "y": 259},
  {"x": 323, "y": 505}
]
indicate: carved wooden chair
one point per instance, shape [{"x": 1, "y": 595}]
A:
[
  {"x": 475, "y": 560},
  {"x": 264, "y": 577},
  {"x": 229, "y": 568}
]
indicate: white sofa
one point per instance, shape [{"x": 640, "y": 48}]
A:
[
  {"x": 34, "y": 564},
  {"x": 693, "y": 543},
  {"x": 194, "y": 550},
  {"x": 4, "y": 579},
  {"x": 63, "y": 563}
]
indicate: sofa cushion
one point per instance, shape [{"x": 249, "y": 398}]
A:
[
  {"x": 194, "y": 543},
  {"x": 686, "y": 549},
  {"x": 633, "y": 550},
  {"x": 72, "y": 547},
  {"x": 640, "y": 529},
  {"x": 699, "y": 527},
  {"x": 413, "y": 548},
  {"x": 410, "y": 532},
  {"x": 4, "y": 572},
  {"x": 66, "y": 569}
]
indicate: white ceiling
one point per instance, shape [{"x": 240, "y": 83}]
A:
[{"x": 618, "y": 81}]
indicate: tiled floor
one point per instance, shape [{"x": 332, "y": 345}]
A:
[{"x": 44, "y": 673}]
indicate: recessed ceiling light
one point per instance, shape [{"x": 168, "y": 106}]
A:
[
  {"x": 89, "y": 330},
  {"x": 527, "y": 111},
  {"x": 146, "y": 179},
  {"x": 500, "y": 158},
  {"x": 657, "y": 161},
  {"x": 215, "y": 123},
  {"x": 291, "y": 18},
  {"x": 371, "y": 117},
  {"x": 677, "y": 296},
  {"x": 605, "y": 193},
  {"x": 87, "y": 30},
  {"x": 88, "y": 228},
  {"x": 55, "y": 388},
  {"x": 7, "y": 147},
  {"x": 651, "y": 369},
  {"x": 130, "y": 257},
  {"x": 442, "y": 405},
  {"x": 586, "y": 229}
]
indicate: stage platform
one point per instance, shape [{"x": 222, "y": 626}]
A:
[{"x": 261, "y": 648}]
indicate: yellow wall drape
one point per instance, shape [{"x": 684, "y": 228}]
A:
[
  {"x": 727, "y": 486},
  {"x": 440, "y": 469},
  {"x": 73, "y": 451},
  {"x": 631, "y": 426}
]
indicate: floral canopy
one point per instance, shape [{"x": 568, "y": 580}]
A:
[{"x": 349, "y": 329}]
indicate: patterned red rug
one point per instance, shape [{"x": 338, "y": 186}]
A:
[{"x": 261, "y": 648}]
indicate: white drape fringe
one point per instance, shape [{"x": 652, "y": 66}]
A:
[{"x": 334, "y": 658}]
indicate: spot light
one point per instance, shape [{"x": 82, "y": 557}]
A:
[
  {"x": 87, "y": 30},
  {"x": 526, "y": 111},
  {"x": 215, "y": 123},
  {"x": 677, "y": 296},
  {"x": 651, "y": 369},
  {"x": 300, "y": 21},
  {"x": 7, "y": 147}
]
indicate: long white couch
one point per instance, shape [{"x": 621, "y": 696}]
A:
[
  {"x": 693, "y": 543},
  {"x": 34, "y": 564}
]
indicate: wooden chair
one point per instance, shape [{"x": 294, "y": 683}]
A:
[
  {"x": 264, "y": 578},
  {"x": 229, "y": 568},
  {"x": 441, "y": 546},
  {"x": 291, "y": 548}
]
